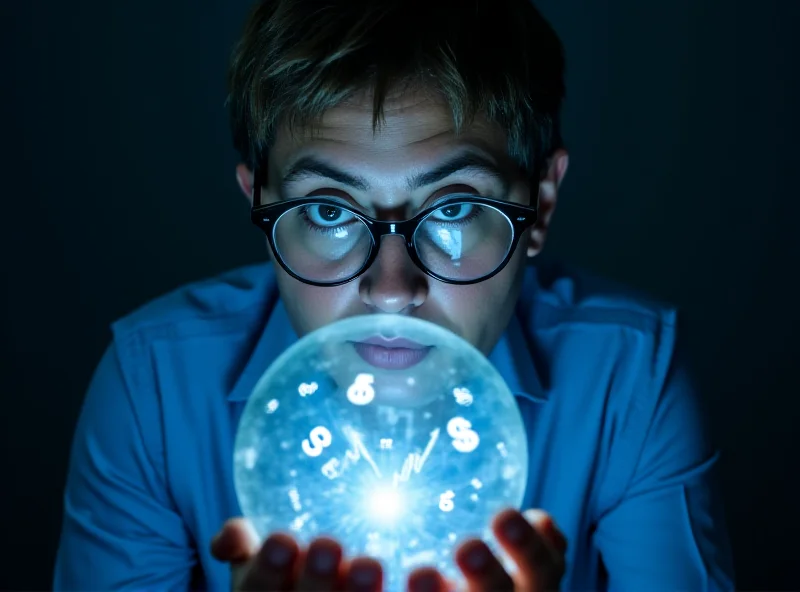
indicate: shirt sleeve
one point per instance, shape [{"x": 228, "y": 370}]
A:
[
  {"x": 667, "y": 531},
  {"x": 120, "y": 528}
]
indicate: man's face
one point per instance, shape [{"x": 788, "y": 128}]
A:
[{"x": 418, "y": 135}]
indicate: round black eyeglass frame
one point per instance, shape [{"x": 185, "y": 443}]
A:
[{"x": 266, "y": 215}]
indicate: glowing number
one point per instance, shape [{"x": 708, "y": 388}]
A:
[
  {"x": 307, "y": 389},
  {"x": 465, "y": 439},
  {"x": 386, "y": 443},
  {"x": 361, "y": 391},
  {"x": 299, "y": 522},
  {"x": 446, "y": 501},
  {"x": 294, "y": 496},
  {"x": 463, "y": 396},
  {"x": 319, "y": 439}
]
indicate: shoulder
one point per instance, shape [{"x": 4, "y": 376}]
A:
[
  {"x": 598, "y": 345},
  {"x": 198, "y": 334},
  {"x": 613, "y": 354},
  {"x": 572, "y": 314},
  {"x": 556, "y": 295},
  {"x": 209, "y": 304}
]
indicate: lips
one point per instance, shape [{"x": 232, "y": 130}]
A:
[{"x": 391, "y": 354}]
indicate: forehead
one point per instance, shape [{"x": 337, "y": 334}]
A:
[{"x": 417, "y": 128}]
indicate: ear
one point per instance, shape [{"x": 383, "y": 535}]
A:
[
  {"x": 244, "y": 176},
  {"x": 548, "y": 195}
]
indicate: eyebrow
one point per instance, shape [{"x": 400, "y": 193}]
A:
[{"x": 467, "y": 161}]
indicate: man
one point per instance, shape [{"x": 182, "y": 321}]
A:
[{"x": 385, "y": 110}]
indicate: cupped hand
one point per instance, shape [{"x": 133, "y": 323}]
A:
[
  {"x": 281, "y": 564},
  {"x": 531, "y": 540}
]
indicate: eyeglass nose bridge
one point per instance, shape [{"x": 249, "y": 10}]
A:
[{"x": 404, "y": 229}]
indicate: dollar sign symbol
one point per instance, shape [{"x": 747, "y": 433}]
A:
[
  {"x": 319, "y": 439},
  {"x": 465, "y": 439},
  {"x": 361, "y": 391}
]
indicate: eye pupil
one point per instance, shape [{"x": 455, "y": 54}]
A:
[
  {"x": 452, "y": 211},
  {"x": 330, "y": 213}
]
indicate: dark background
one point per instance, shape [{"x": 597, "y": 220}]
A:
[{"x": 118, "y": 185}]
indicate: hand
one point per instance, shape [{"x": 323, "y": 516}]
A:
[
  {"x": 531, "y": 540},
  {"x": 280, "y": 564}
]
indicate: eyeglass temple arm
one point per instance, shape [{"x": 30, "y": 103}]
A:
[{"x": 258, "y": 182}]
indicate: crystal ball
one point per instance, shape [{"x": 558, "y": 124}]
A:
[{"x": 390, "y": 434}]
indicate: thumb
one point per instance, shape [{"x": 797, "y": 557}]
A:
[{"x": 236, "y": 543}]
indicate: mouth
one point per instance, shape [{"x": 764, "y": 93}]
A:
[{"x": 391, "y": 354}]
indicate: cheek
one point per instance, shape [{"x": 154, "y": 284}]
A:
[
  {"x": 479, "y": 302},
  {"x": 481, "y": 312},
  {"x": 311, "y": 307}
]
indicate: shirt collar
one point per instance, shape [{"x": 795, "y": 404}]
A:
[
  {"x": 514, "y": 360},
  {"x": 276, "y": 337},
  {"x": 511, "y": 357}
]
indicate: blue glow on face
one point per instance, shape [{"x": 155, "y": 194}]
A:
[{"x": 400, "y": 463}]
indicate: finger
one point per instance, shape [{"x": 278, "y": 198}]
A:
[
  {"x": 546, "y": 526},
  {"x": 364, "y": 574},
  {"x": 481, "y": 568},
  {"x": 426, "y": 579},
  {"x": 236, "y": 542},
  {"x": 274, "y": 566},
  {"x": 540, "y": 566},
  {"x": 320, "y": 570}
]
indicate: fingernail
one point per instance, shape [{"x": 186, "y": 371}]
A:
[
  {"x": 477, "y": 558},
  {"x": 516, "y": 529},
  {"x": 277, "y": 554},
  {"x": 323, "y": 561},
  {"x": 535, "y": 517}
]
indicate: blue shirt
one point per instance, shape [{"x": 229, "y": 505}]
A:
[{"x": 619, "y": 455}]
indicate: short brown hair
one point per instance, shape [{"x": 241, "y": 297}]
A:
[{"x": 298, "y": 58}]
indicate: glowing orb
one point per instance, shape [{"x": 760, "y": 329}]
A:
[{"x": 390, "y": 434}]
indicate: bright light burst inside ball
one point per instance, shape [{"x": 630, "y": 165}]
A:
[{"x": 385, "y": 504}]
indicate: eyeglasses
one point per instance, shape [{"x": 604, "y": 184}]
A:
[{"x": 461, "y": 239}]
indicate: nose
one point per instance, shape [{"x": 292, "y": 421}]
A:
[{"x": 393, "y": 283}]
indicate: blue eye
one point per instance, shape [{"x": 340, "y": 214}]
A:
[
  {"x": 453, "y": 212},
  {"x": 328, "y": 216}
]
